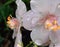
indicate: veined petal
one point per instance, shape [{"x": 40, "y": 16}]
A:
[
  {"x": 30, "y": 19},
  {"x": 21, "y": 9},
  {"x": 39, "y": 35}
]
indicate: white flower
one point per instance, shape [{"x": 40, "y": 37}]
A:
[
  {"x": 30, "y": 19},
  {"x": 13, "y": 23},
  {"x": 35, "y": 20},
  {"x": 39, "y": 9},
  {"x": 43, "y": 6},
  {"x": 39, "y": 34},
  {"x": 21, "y": 9}
]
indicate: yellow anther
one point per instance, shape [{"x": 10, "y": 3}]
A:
[
  {"x": 58, "y": 27},
  {"x": 8, "y": 22},
  {"x": 55, "y": 28},
  {"x": 48, "y": 25},
  {"x": 9, "y": 17},
  {"x": 54, "y": 22},
  {"x": 52, "y": 25}
]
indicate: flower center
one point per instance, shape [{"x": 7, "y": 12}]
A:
[
  {"x": 12, "y": 22},
  {"x": 51, "y": 23}
]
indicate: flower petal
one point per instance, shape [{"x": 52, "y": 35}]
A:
[
  {"x": 39, "y": 35},
  {"x": 39, "y": 5},
  {"x": 21, "y": 9},
  {"x": 58, "y": 45},
  {"x": 57, "y": 11},
  {"x": 51, "y": 45},
  {"x": 53, "y": 5},
  {"x": 55, "y": 37},
  {"x": 18, "y": 41},
  {"x": 30, "y": 19},
  {"x": 44, "y": 5}
]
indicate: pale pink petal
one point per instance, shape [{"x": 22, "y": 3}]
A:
[
  {"x": 58, "y": 45},
  {"x": 39, "y": 5},
  {"x": 44, "y": 5},
  {"x": 30, "y": 19},
  {"x": 21, "y": 9},
  {"x": 55, "y": 37},
  {"x": 39, "y": 35},
  {"x": 57, "y": 11}
]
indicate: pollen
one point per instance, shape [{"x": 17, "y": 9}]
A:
[
  {"x": 8, "y": 22},
  {"x": 58, "y": 27},
  {"x": 54, "y": 22},
  {"x": 9, "y": 17},
  {"x": 48, "y": 24},
  {"x": 52, "y": 25},
  {"x": 54, "y": 28}
]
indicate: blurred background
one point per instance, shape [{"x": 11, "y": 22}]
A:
[{"x": 8, "y": 7}]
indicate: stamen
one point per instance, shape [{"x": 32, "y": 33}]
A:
[
  {"x": 9, "y": 22},
  {"x": 48, "y": 24},
  {"x": 9, "y": 17},
  {"x": 54, "y": 28},
  {"x": 51, "y": 23},
  {"x": 55, "y": 22}
]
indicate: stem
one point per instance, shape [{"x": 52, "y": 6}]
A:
[
  {"x": 9, "y": 2},
  {"x": 29, "y": 44}
]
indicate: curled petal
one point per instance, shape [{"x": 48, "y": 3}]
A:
[
  {"x": 39, "y": 35},
  {"x": 18, "y": 2},
  {"x": 21, "y": 9}
]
